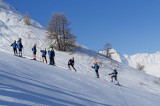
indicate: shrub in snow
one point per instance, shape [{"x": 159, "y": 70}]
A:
[
  {"x": 141, "y": 83},
  {"x": 140, "y": 67},
  {"x": 157, "y": 81}
]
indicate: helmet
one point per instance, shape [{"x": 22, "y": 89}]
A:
[
  {"x": 95, "y": 62},
  {"x": 72, "y": 58},
  {"x": 14, "y": 40},
  {"x": 113, "y": 68},
  {"x": 34, "y": 44}
]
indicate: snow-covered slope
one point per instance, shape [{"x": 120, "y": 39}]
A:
[
  {"x": 28, "y": 82},
  {"x": 150, "y": 61},
  {"x": 12, "y": 27},
  {"x": 115, "y": 56}
]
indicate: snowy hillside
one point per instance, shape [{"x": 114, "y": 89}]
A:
[
  {"x": 150, "y": 61},
  {"x": 12, "y": 27},
  {"x": 116, "y": 56},
  {"x": 28, "y": 82}
]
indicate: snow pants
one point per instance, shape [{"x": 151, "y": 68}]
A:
[
  {"x": 114, "y": 76},
  {"x": 34, "y": 55},
  {"x": 72, "y": 66},
  {"x": 20, "y": 52},
  {"x": 44, "y": 58},
  {"x": 97, "y": 73},
  {"x": 15, "y": 51},
  {"x": 52, "y": 62}
]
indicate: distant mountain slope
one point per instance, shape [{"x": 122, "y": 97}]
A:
[{"x": 150, "y": 61}]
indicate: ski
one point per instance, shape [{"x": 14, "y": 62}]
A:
[{"x": 113, "y": 82}]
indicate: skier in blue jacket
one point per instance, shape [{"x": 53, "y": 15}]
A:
[
  {"x": 114, "y": 75},
  {"x": 14, "y": 45},
  {"x": 96, "y": 67},
  {"x": 34, "y": 52},
  {"x": 20, "y": 46},
  {"x": 51, "y": 54},
  {"x": 71, "y": 63},
  {"x": 44, "y": 52}
]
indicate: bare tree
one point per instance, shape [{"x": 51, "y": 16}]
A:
[
  {"x": 108, "y": 47},
  {"x": 59, "y": 32},
  {"x": 27, "y": 19},
  {"x": 140, "y": 67}
]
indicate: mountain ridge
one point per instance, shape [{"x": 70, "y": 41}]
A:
[{"x": 149, "y": 61}]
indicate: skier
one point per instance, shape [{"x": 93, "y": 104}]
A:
[
  {"x": 14, "y": 47},
  {"x": 71, "y": 63},
  {"x": 114, "y": 75},
  {"x": 34, "y": 52},
  {"x": 96, "y": 67},
  {"x": 51, "y": 54},
  {"x": 44, "y": 52},
  {"x": 20, "y": 46}
]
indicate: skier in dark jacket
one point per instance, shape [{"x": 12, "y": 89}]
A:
[
  {"x": 34, "y": 52},
  {"x": 20, "y": 46},
  {"x": 114, "y": 75},
  {"x": 14, "y": 47},
  {"x": 44, "y": 52},
  {"x": 96, "y": 67},
  {"x": 51, "y": 54},
  {"x": 71, "y": 63}
]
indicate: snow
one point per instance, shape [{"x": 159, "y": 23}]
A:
[
  {"x": 12, "y": 27},
  {"x": 151, "y": 62},
  {"x": 29, "y": 82}
]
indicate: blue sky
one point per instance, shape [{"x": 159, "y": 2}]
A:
[{"x": 131, "y": 26}]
